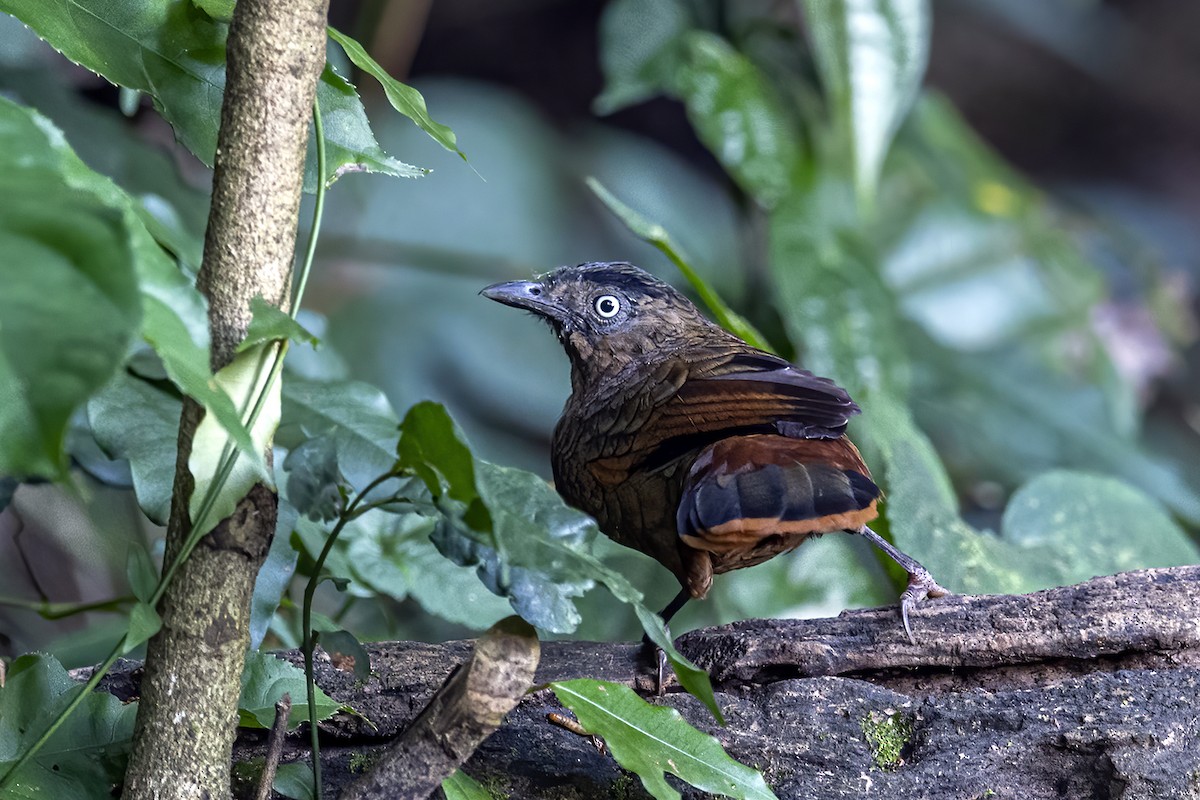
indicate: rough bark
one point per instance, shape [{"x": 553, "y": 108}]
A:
[
  {"x": 1088, "y": 691},
  {"x": 186, "y": 720},
  {"x": 467, "y": 709}
]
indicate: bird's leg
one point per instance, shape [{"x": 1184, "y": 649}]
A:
[
  {"x": 660, "y": 656},
  {"x": 920, "y": 583}
]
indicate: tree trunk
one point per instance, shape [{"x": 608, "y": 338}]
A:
[{"x": 188, "y": 712}]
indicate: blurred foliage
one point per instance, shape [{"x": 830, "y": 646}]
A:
[
  {"x": 961, "y": 303},
  {"x": 1003, "y": 345}
]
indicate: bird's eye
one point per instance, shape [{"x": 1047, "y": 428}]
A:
[{"x": 607, "y": 306}]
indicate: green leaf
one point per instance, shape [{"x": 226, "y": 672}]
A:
[
  {"x": 314, "y": 483},
  {"x": 275, "y": 576},
  {"x": 432, "y": 446},
  {"x": 739, "y": 117},
  {"x": 1093, "y": 525},
  {"x": 264, "y": 681},
  {"x": 217, "y": 9},
  {"x": 172, "y": 313},
  {"x": 390, "y": 554},
  {"x": 270, "y": 323},
  {"x": 461, "y": 786},
  {"x": 175, "y": 323},
  {"x": 70, "y": 304},
  {"x": 871, "y": 55},
  {"x": 141, "y": 572},
  {"x": 175, "y": 52},
  {"x": 640, "y": 50},
  {"x": 405, "y": 99},
  {"x": 244, "y": 378},
  {"x": 656, "y": 235},
  {"x": 144, "y": 622},
  {"x": 922, "y": 510},
  {"x": 135, "y": 420},
  {"x": 294, "y": 780},
  {"x": 652, "y": 740},
  {"x": 85, "y": 757},
  {"x": 356, "y": 415},
  {"x": 350, "y": 144},
  {"x": 172, "y": 51}
]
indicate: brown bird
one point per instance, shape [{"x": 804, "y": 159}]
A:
[{"x": 688, "y": 444}]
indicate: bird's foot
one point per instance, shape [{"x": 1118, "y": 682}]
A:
[
  {"x": 921, "y": 586},
  {"x": 660, "y": 675},
  {"x": 658, "y": 657}
]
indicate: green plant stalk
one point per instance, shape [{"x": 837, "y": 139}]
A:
[
  {"x": 229, "y": 458},
  {"x": 47, "y": 610},
  {"x": 309, "y": 642}
]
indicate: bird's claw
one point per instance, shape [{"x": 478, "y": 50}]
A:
[
  {"x": 660, "y": 682},
  {"x": 921, "y": 586}
]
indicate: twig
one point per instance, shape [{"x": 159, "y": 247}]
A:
[
  {"x": 467, "y": 709},
  {"x": 283, "y": 710}
]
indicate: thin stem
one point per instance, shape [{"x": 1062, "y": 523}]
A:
[
  {"x": 318, "y": 210},
  {"x": 306, "y": 614},
  {"x": 52, "y": 611},
  {"x": 309, "y": 644}
]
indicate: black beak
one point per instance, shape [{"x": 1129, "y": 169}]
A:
[{"x": 529, "y": 295}]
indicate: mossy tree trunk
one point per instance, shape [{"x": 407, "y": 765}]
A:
[{"x": 188, "y": 711}]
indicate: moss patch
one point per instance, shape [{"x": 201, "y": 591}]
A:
[
  {"x": 887, "y": 734},
  {"x": 361, "y": 762}
]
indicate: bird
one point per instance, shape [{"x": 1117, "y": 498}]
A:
[{"x": 690, "y": 445}]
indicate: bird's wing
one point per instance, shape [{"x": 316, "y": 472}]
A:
[
  {"x": 753, "y": 387},
  {"x": 705, "y": 395}
]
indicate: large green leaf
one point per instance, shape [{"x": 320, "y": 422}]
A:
[
  {"x": 70, "y": 302},
  {"x": 265, "y": 680},
  {"x": 652, "y": 741},
  {"x": 739, "y": 117},
  {"x": 172, "y": 316},
  {"x": 135, "y": 420},
  {"x": 392, "y": 555},
  {"x": 1094, "y": 523},
  {"x": 432, "y": 446},
  {"x": 871, "y": 55},
  {"x": 357, "y": 416},
  {"x": 175, "y": 52},
  {"x": 85, "y": 758},
  {"x": 534, "y": 552}
]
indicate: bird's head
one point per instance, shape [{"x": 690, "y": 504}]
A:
[{"x": 606, "y": 314}]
